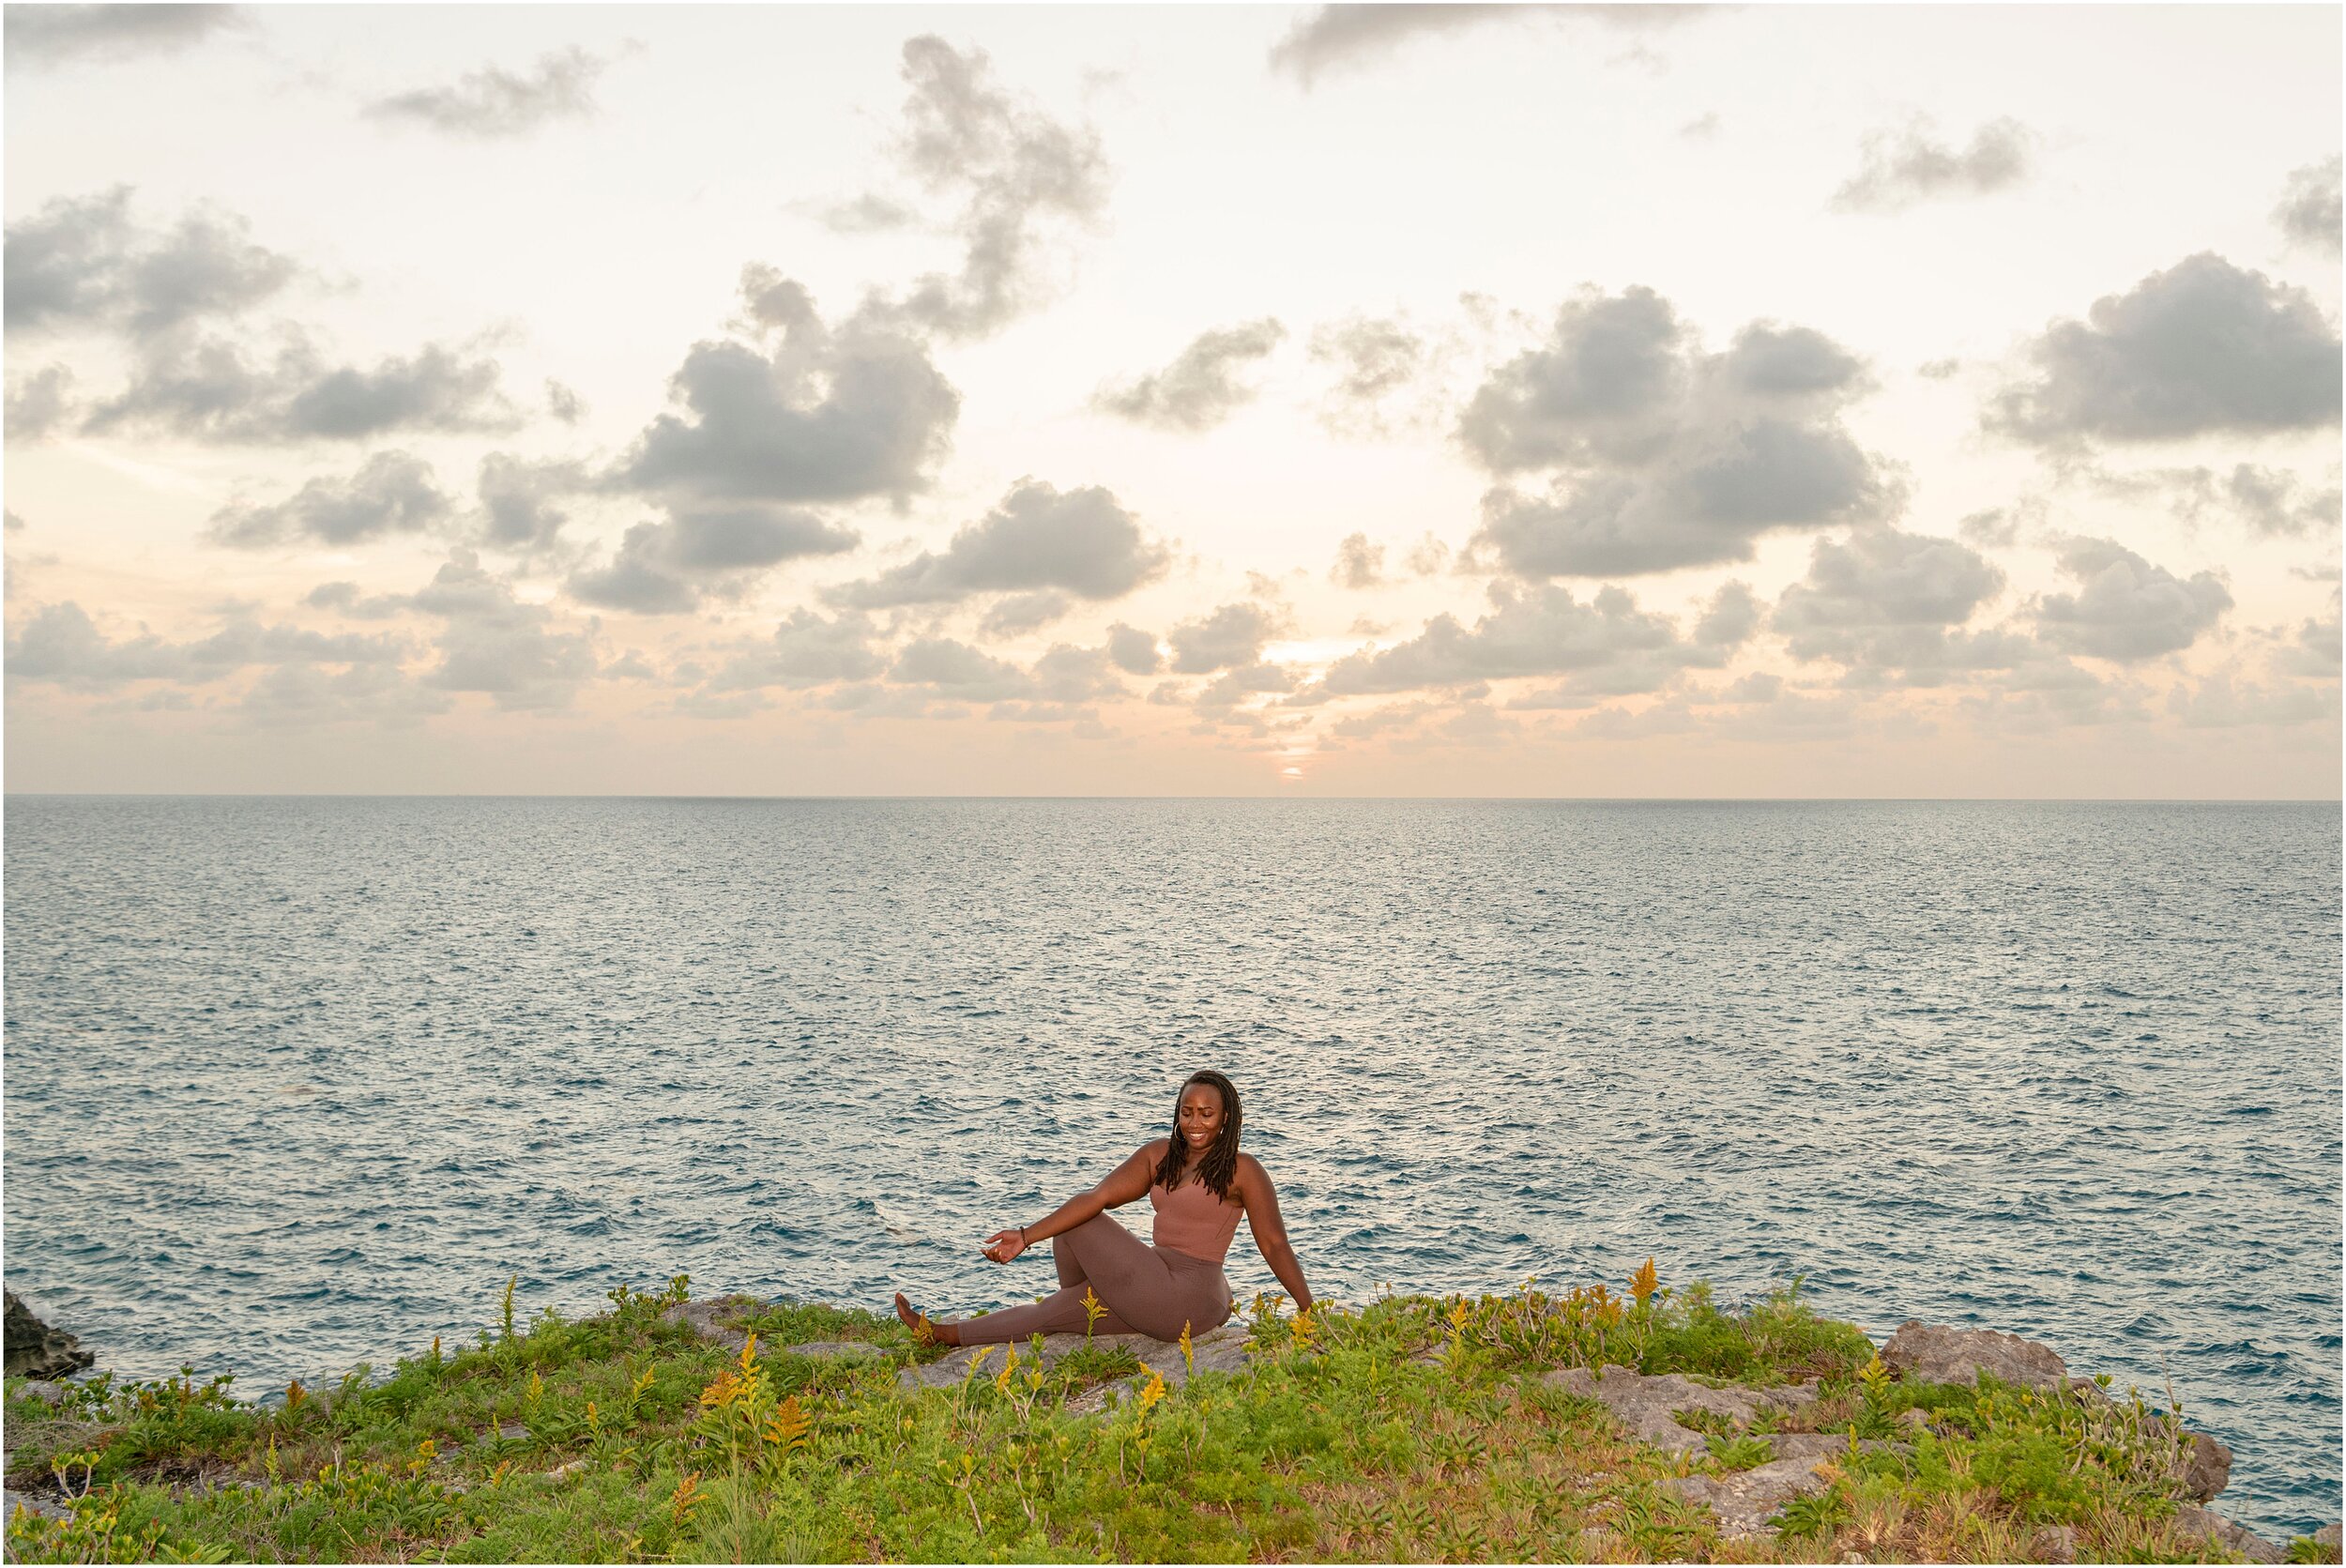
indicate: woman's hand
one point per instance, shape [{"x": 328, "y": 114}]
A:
[{"x": 1004, "y": 1245}]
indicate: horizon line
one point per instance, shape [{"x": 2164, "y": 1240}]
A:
[{"x": 1317, "y": 799}]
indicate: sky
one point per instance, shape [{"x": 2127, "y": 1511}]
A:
[{"x": 1546, "y": 401}]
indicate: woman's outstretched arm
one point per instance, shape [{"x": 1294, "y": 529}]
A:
[
  {"x": 1125, "y": 1183},
  {"x": 1271, "y": 1231}
]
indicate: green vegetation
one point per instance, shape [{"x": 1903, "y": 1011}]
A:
[{"x": 1411, "y": 1428}]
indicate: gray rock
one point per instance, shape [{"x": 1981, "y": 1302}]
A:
[
  {"x": 701, "y": 1317},
  {"x": 34, "y": 1350},
  {"x": 829, "y": 1350},
  {"x": 935, "y": 1375},
  {"x": 2210, "y": 1526},
  {"x": 2054, "y": 1544},
  {"x": 1813, "y": 1446},
  {"x": 1936, "y": 1355},
  {"x": 2327, "y": 1536},
  {"x": 2202, "y": 1469},
  {"x": 512, "y": 1432},
  {"x": 44, "y": 1508},
  {"x": 1644, "y": 1405},
  {"x": 1222, "y": 1349},
  {"x": 1744, "y": 1503},
  {"x": 48, "y": 1394}
]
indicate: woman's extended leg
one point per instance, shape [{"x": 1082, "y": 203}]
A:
[{"x": 1119, "y": 1268}]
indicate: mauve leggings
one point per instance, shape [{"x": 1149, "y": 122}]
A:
[{"x": 1145, "y": 1289}]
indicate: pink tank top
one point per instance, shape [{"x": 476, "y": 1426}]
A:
[{"x": 1193, "y": 1222}]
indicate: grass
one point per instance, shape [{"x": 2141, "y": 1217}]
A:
[{"x": 1409, "y": 1429}]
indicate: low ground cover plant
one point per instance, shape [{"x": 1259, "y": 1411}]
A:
[{"x": 1409, "y": 1429}]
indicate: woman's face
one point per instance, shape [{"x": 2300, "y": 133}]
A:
[{"x": 1200, "y": 1117}]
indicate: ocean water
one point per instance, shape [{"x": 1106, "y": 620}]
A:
[{"x": 296, "y": 1083}]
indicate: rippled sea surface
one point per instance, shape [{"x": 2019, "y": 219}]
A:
[{"x": 296, "y": 1082}]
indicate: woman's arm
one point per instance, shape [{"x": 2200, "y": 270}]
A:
[
  {"x": 1271, "y": 1231},
  {"x": 1126, "y": 1182}
]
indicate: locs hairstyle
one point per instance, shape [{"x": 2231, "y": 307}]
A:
[{"x": 1219, "y": 1167}]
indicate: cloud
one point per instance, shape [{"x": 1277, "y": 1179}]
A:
[
  {"x": 1016, "y": 173},
  {"x": 83, "y": 262},
  {"x": 1667, "y": 456},
  {"x": 1884, "y": 600},
  {"x": 1359, "y": 563},
  {"x": 1134, "y": 651},
  {"x": 1351, "y": 36},
  {"x": 807, "y": 650},
  {"x": 2308, "y": 209},
  {"x": 957, "y": 670},
  {"x": 61, "y": 645},
  {"x": 1202, "y": 386},
  {"x": 1077, "y": 674},
  {"x": 1427, "y": 556},
  {"x": 870, "y": 213},
  {"x": 1608, "y": 643},
  {"x": 41, "y": 404},
  {"x": 517, "y": 498},
  {"x": 1018, "y": 613},
  {"x": 2274, "y": 505},
  {"x": 668, "y": 568},
  {"x": 2220, "y": 701},
  {"x": 64, "y": 35},
  {"x": 2200, "y": 348},
  {"x": 1730, "y": 620},
  {"x": 2125, "y": 607},
  {"x": 205, "y": 389},
  {"x": 1231, "y": 635},
  {"x": 1605, "y": 385},
  {"x": 2269, "y": 503},
  {"x": 1241, "y": 682},
  {"x": 2315, "y": 650},
  {"x": 1996, "y": 527},
  {"x": 1790, "y": 362},
  {"x": 85, "y": 265},
  {"x": 1375, "y": 360},
  {"x": 494, "y": 102},
  {"x": 1036, "y": 539},
  {"x": 1907, "y": 166},
  {"x": 1710, "y": 485},
  {"x": 392, "y": 493},
  {"x": 827, "y": 414},
  {"x": 491, "y": 642}
]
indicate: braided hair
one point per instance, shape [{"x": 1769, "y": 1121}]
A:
[{"x": 1218, "y": 1168}]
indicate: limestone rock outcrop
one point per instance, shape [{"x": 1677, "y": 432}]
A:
[
  {"x": 1744, "y": 1501},
  {"x": 1222, "y": 1349},
  {"x": 2211, "y": 1526},
  {"x": 2204, "y": 1468},
  {"x": 1644, "y": 1405},
  {"x": 34, "y": 1350},
  {"x": 1923, "y": 1353}
]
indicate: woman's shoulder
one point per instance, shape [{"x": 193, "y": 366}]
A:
[{"x": 1250, "y": 1170}]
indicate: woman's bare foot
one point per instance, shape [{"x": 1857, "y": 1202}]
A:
[{"x": 922, "y": 1330}]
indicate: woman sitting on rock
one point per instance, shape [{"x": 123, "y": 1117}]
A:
[{"x": 1200, "y": 1184}]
